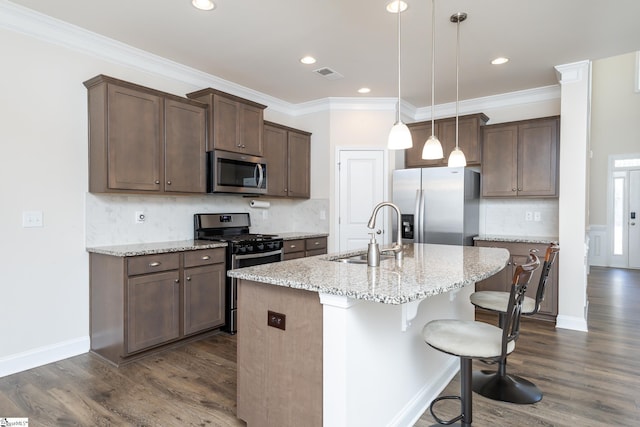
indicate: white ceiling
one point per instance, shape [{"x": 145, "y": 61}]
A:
[{"x": 257, "y": 43}]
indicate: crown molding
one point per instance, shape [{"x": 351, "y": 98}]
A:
[
  {"x": 51, "y": 30},
  {"x": 574, "y": 72}
]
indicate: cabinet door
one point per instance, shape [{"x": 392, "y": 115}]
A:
[
  {"x": 499, "y": 161},
  {"x": 225, "y": 124},
  {"x": 153, "y": 310},
  {"x": 185, "y": 141},
  {"x": 134, "y": 142},
  {"x": 413, "y": 156},
  {"x": 468, "y": 138},
  {"x": 275, "y": 152},
  {"x": 250, "y": 128},
  {"x": 299, "y": 165},
  {"x": 538, "y": 158},
  {"x": 204, "y": 297}
]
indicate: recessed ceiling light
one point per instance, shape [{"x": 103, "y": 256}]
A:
[
  {"x": 308, "y": 60},
  {"x": 364, "y": 90},
  {"x": 203, "y": 4},
  {"x": 392, "y": 6},
  {"x": 499, "y": 61}
]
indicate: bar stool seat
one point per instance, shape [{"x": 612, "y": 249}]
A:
[
  {"x": 469, "y": 339},
  {"x": 498, "y": 300}
]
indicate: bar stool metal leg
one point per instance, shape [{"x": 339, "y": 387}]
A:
[{"x": 466, "y": 396}]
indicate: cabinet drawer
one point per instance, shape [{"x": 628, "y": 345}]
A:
[
  {"x": 318, "y": 243},
  {"x": 293, "y": 246},
  {"x": 152, "y": 263},
  {"x": 203, "y": 257}
]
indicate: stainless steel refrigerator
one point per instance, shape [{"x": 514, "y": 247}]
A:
[{"x": 438, "y": 205}]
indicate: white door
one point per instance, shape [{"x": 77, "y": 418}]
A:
[
  {"x": 361, "y": 188},
  {"x": 634, "y": 219}
]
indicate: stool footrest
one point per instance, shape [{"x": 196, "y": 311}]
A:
[{"x": 439, "y": 420}]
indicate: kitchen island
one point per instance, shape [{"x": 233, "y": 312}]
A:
[{"x": 323, "y": 342}]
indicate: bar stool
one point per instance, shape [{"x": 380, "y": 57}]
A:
[
  {"x": 498, "y": 385},
  {"x": 469, "y": 339}
]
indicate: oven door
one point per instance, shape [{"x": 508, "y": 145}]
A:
[
  {"x": 236, "y": 173},
  {"x": 239, "y": 261}
]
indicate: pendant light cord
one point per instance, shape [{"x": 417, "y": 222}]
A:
[
  {"x": 433, "y": 65},
  {"x": 399, "y": 59},
  {"x": 457, "y": 76}
]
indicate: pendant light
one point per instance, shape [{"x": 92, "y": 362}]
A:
[
  {"x": 456, "y": 158},
  {"x": 399, "y": 137},
  {"x": 432, "y": 149}
]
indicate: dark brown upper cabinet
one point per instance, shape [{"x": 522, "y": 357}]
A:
[
  {"x": 235, "y": 124},
  {"x": 469, "y": 140},
  {"x": 144, "y": 141},
  {"x": 288, "y": 155},
  {"x": 521, "y": 159}
]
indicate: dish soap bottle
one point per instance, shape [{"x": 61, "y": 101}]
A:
[{"x": 373, "y": 254}]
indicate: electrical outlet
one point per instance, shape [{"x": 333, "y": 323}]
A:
[
  {"x": 276, "y": 320},
  {"x": 141, "y": 217},
  {"x": 323, "y": 214},
  {"x": 537, "y": 217},
  {"x": 31, "y": 219},
  {"x": 528, "y": 216}
]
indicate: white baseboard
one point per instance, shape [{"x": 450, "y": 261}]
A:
[
  {"x": 41, "y": 356},
  {"x": 571, "y": 322},
  {"x": 414, "y": 409}
]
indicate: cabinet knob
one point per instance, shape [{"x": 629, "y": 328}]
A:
[
  {"x": 519, "y": 189},
  {"x": 177, "y": 281},
  {"x": 168, "y": 182},
  {"x": 206, "y": 257},
  {"x": 157, "y": 181},
  {"x": 292, "y": 246},
  {"x": 513, "y": 189},
  {"x": 188, "y": 278},
  {"x": 154, "y": 264},
  {"x": 316, "y": 243}
]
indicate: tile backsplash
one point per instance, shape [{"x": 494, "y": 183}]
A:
[
  {"x": 110, "y": 219},
  {"x": 519, "y": 217}
]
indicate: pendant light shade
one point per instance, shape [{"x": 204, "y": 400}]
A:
[
  {"x": 399, "y": 137},
  {"x": 456, "y": 158},
  {"x": 432, "y": 149}
]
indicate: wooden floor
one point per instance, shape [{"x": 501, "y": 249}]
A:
[{"x": 588, "y": 379}]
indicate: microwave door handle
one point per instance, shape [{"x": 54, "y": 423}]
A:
[{"x": 260, "y": 175}]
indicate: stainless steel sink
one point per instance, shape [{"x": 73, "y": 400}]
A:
[{"x": 361, "y": 259}]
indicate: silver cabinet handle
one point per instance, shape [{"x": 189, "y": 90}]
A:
[
  {"x": 206, "y": 257},
  {"x": 168, "y": 182},
  {"x": 154, "y": 264},
  {"x": 292, "y": 246},
  {"x": 316, "y": 243},
  {"x": 157, "y": 181},
  {"x": 188, "y": 278},
  {"x": 177, "y": 281}
]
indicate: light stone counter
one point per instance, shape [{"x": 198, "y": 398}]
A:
[
  {"x": 301, "y": 235},
  {"x": 517, "y": 239},
  {"x": 136, "y": 249},
  {"x": 426, "y": 270}
]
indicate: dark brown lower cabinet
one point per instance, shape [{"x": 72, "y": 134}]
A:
[
  {"x": 300, "y": 248},
  {"x": 519, "y": 253},
  {"x": 141, "y": 303}
]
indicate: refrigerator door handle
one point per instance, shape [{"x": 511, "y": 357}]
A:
[{"x": 417, "y": 219}]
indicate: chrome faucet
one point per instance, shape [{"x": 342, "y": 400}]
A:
[{"x": 397, "y": 247}]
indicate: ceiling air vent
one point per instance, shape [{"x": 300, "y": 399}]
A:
[{"x": 328, "y": 73}]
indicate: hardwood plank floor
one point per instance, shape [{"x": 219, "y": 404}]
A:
[{"x": 588, "y": 379}]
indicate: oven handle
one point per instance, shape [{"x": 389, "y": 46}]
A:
[{"x": 259, "y": 255}]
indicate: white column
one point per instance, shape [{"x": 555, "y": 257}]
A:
[{"x": 575, "y": 103}]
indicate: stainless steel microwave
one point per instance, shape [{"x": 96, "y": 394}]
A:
[{"x": 236, "y": 173}]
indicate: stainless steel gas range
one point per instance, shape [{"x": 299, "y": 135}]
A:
[{"x": 244, "y": 250}]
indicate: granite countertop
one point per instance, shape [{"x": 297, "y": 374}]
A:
[
  {"x": 426, "y": 270},
  {"x": 301, "y": 235},
  {"x": 517, "y": 239},
  {"x": 136, "y": 249}
]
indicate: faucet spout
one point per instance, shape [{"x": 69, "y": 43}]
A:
[{"x": 397, "y": 247}]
